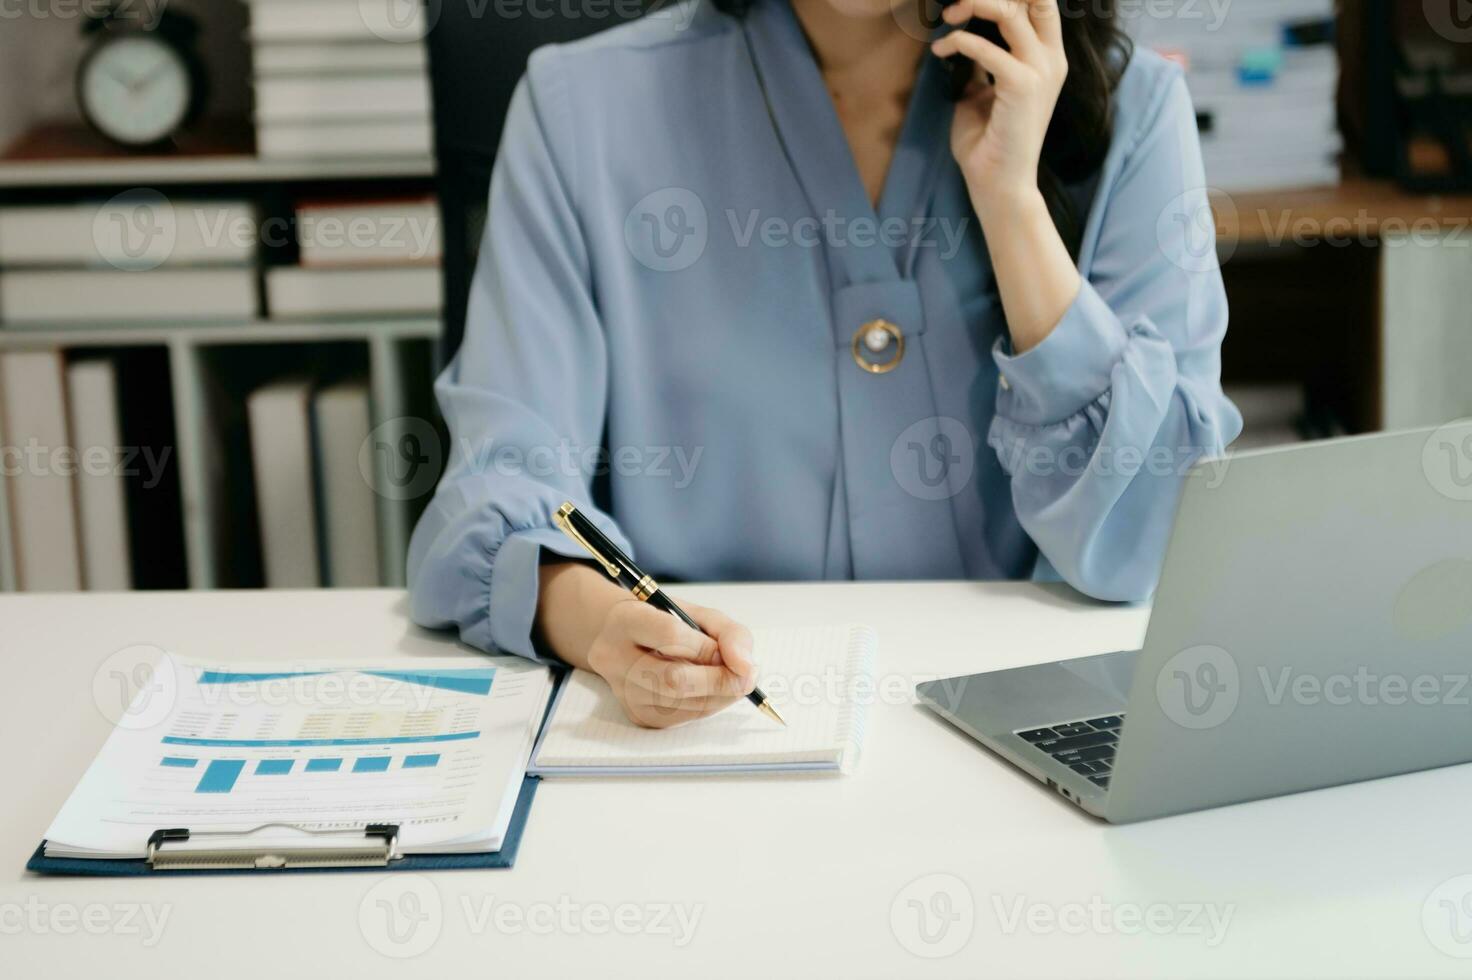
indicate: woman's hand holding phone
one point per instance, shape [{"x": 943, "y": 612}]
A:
[
  {"x": 997, "y": 138},
  {"x": 998, "y": 130}
]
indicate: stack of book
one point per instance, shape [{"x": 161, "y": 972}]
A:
[
  {"x": 89, "y": 494},
  {"x": 361, "y": 258},
  {"x": 311, "y": 461},
  {"x": 340, "y": 78},
  {"x": 1263, "y": 76},
  {"x": 128, "y": 261}
]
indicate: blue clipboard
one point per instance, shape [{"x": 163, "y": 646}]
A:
[{"x": 504, "y": 858}]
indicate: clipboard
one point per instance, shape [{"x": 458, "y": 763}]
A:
[{"x": 375, "y": 850}]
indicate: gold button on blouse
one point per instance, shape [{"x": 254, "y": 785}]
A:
[{"x": 873, "y": 341}]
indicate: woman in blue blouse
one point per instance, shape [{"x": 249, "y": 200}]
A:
[{"x": 765, "y": 303}]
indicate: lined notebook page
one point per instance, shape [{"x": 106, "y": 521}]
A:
[{"x": 811, "y": 676}]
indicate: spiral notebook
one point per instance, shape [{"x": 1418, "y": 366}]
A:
[{"x": 821, "y": 679}]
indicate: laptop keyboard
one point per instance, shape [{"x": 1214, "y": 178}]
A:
[{"x": 1086, "y": 747}]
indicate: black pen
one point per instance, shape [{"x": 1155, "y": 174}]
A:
[{"x": 621, "y": 568}]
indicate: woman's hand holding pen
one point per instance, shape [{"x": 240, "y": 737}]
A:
[
  {"x": 997, "y": 139},
  {"x": 663, "y": 672}
]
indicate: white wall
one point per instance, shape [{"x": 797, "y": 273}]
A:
[
  {"x": 14, "y": 78},
  {"x": 39, "y": 54},
  {"x": 1427, "y": 355}
]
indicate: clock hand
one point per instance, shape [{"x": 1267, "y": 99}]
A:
[
  {"x": 151, "y": 74},
  {"x": 113, "y": 74}
]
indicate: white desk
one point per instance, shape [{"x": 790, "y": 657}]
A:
[{"x": 790, "y": 876}]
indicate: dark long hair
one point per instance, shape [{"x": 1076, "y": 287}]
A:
[{"x": 1078, "y": 138}]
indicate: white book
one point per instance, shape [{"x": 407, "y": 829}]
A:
[
  {"x": 294, "y": 292},
  {"x": 1209, "y": 87},
  {"x": 435, "y": 745},
  {"x": 1268, "y": 127},
  {"x": 332, "y": 139},
  {"x": 70, "y": 296},
  {"x": 1174, "y": 21},
  {"x": 280, "y": 421},
  {"x": 41, "y": 482},
  {"x": 820, "y": 679},
  {"x": 342, "y": 419},
  {"x": 140, "y": 233},
  {"x": 369, "y": 233},
  {"x": 369, "y": 95},
  {"x": 1238, "y": 175},
  {"x": 101, "y": 494},
  {"x": 347, "y": 20},
  {"x": 319, "y": 58}
]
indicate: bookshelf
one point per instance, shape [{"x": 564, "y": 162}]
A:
[
  {"x": 259, "y": 332},
  {"x": 387, "y": 343},
  {"x": 67, "y": 154},
  {"x": 1358, "y": 203},
  {"x": 1359, "y": 291},
  {"x": 398, "y": 354},
  {"x": 202, "y": 371}
]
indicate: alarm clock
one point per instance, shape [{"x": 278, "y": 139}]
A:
[{"x": 139, "y": 85}]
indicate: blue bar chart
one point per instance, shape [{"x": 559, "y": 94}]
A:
[
  {"x": 372, "y": 763},
  {"x": 224, "y": 775},
  {"x": 220, "y": 776}
]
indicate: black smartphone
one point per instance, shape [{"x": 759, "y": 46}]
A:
[{"x": 959, "y": 68}]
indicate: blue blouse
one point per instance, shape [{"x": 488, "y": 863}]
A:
[{"x": 678, "y": 258}]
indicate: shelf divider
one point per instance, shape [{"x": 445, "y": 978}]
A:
[
  {"x": 200, "y": 510},
  {"x": 386, "y": 386},
  {"x": 8, "y": 581}
]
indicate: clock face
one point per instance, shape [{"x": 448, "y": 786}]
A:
[{"x": 135, "y": 89}]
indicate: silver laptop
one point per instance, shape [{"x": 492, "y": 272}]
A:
[{"x": 1312, "y": 627}]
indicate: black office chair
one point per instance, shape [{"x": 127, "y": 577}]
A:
[{"x": 476, "y": 57}]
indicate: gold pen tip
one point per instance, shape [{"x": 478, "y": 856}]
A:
[{"x": 771, "y": 713}]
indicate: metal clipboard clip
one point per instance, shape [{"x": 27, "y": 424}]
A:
[{"x": 374, "y": 846}]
